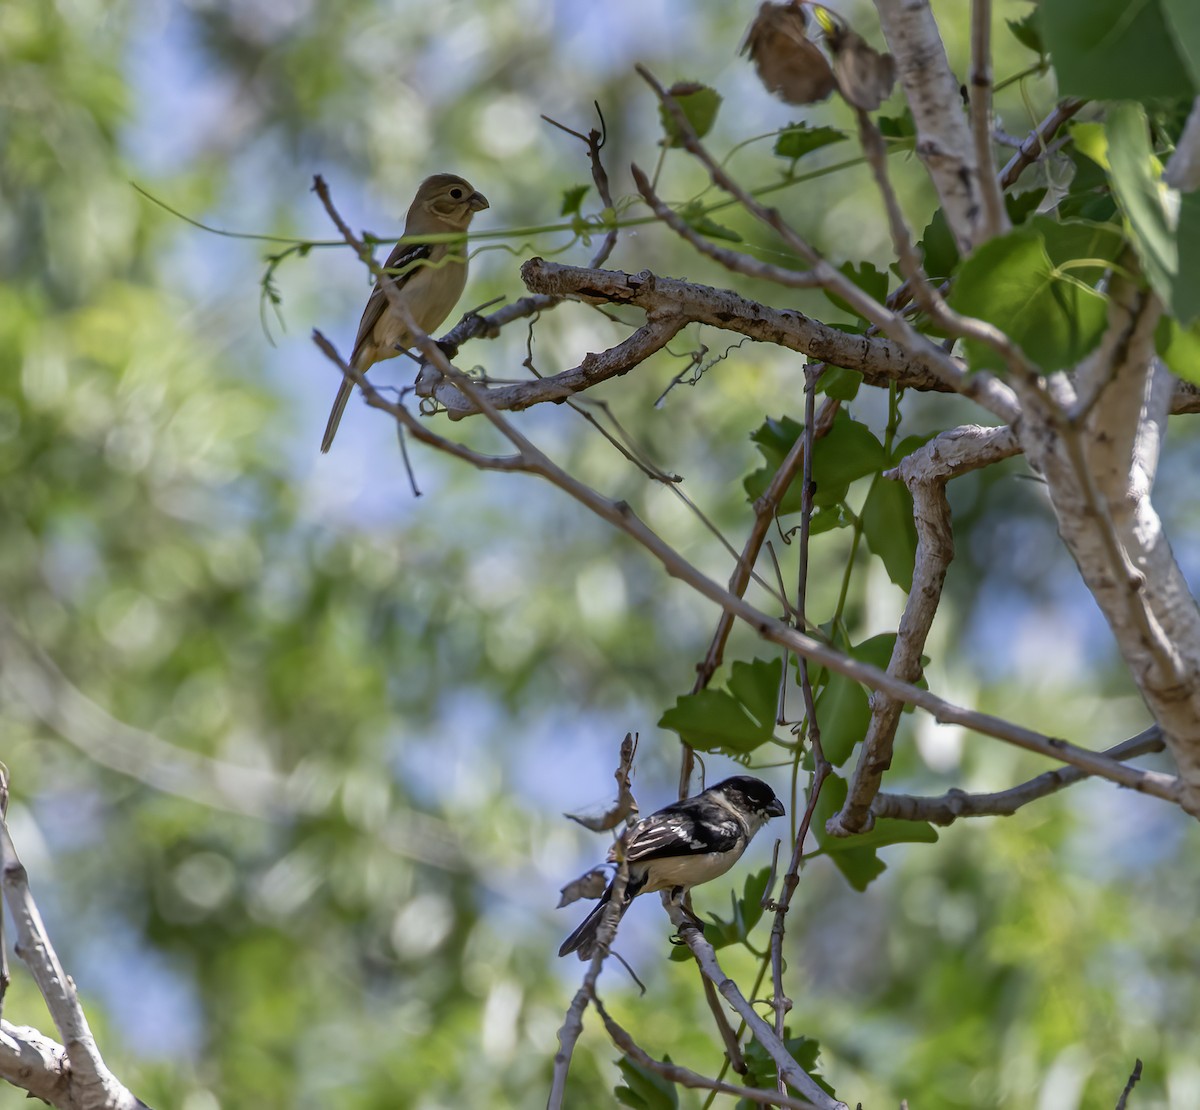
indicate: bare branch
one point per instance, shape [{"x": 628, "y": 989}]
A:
[
  {"x": 949, "y": 807},
  {"x": 687, "y": 1078},
  {"x": 594, "y": 140},
  {"x": 1099, "y": 465},
  {"x": 985, "y": 390},
  {"x": 995, "y": 218},
  {"x": 879, "y": 360},
  {"x": 706, "y": 957},
  {"x": 627, "y": 355},
  {"x": 943, "y": 138},
  {"x": 765, "y": 509},
  {"x": 572, "y": 1026},
  {"x": 37, "y": 1064},
  {"x": 1038, "y": 140},
  {"x": 735, "y": 261},
  {"x": 1134, "y": 1077},
  {"x": 89, "y": 1085},
  {"x": 926, "y": 472},
  {"x": 780, "y": 1002},
  {"x": 619, "y": 514}
]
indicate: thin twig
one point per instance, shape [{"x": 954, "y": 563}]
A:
[
  {"x": 91, "y": 1085},
  {"x": 821, "y": 767},
  {"x": 765, "y": 508},
  {"x": 1130, "y": 1083},
  {"x": 735, "y": 261},
  {"x": 947, "y": 808},
  {"x": 684, "y": 1076},
  {"x": 618, "y": 513},
  {"x": 995, "y": 218},
  {"x": 706, "y": 957},
  {"x": 594, "y": 140},
  {"x": 992, "y": 394},
  {"x": 1037, "y": 140},
  {"x": 606, "y": 932}
]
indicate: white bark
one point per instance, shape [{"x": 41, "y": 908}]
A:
[{"x": 944, "y": 141}]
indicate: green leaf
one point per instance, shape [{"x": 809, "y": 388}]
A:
[
  {"x": 756, "y": 686},
  {"x": 885, "y": 831},
  {"x": 1186, "y": 299},
  {"x": 858, "y": 865},
  {"x": 897, "y": 127},
  {"x": 1137, "y": 181},
  {"x": 1114, "y": 50},
  {"x": 747, "y": 911},
  {"x": 699, "y": 104},
  {"x": 871, "y": 281},
  {"x": 752, "y": 895},
  {"x": 1011, "y": 282},
  {"x": 938, "y": 248},
  {"x": 694, "y": 215},
  {"x": 735, "y": 721},
  {"x": 1180, "y": 349},
  {"x": 840, "y": 383},
  {"x": 1183, "y": 19},
  {"x": 572, "y": 199},
  {"x": 799, "y": 139},
  {"x": 761, "y": 1069},
  {"x": 1070, "y": 242},
  {"x": 1020, "y": 206},
  {"x": 1088, "y": 196},
  {"x": 1027, "y": 32},
  {"x": 889, "y": 529},
  {"x": 645, "y": 1089},
  {"x": 827, "y": 519},
  {"x": 1168, "y": 246},
  {"x": 850, "y": 451},
  {"x": 843, "y": 710},
  {"x": 844, "y": 713}
]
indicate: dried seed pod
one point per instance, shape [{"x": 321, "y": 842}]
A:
[
  {"x": 789, "y": 65},
  {"x": 864, "y": 76}
]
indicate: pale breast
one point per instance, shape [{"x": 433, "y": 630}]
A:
[
  {"x": 430, "y": 300},
  {"x": 690, "y": 870}
]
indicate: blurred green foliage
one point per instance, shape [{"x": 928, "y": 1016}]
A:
[{"x": 291, "y": 804}]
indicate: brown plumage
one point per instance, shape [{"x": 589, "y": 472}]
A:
[{"x": 429, "y": 278}]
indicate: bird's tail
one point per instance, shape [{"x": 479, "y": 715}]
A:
[
  {"x": 335, "y": 416},
  {"x": 583, "y": 940}
]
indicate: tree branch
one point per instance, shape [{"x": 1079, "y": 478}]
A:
[
  {"x": 687, "y": 1078},
  {"x": 706, "y": 957},
  {"x": 949, "y": 807},
  {"x": 618, "y": 513},
  {"x": 75, "y": 1073},
  {"x": 995, "y": 218},
  {"x": 943, "y": 138},
  {"x": 925, "y": 472},
  {"x": 1037, "y": 141}
]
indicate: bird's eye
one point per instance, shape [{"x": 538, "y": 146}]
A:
[{"x": 456, "y": 194}]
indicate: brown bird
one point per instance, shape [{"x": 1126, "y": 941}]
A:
[{"x": 429, "y": 278}]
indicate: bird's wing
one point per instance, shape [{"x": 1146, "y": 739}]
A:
[
  {"x": 404, "y": 256},
  {"x": 674, "y": 831}
]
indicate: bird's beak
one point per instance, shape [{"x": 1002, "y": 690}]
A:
[
  {"x": 477, "y": 202},
  {"x": 775, "y": 809}
]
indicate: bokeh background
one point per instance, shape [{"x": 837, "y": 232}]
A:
[{"x": 290, "y": 747}]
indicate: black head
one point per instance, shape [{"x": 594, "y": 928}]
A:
[{"x": 752, "y": 795}]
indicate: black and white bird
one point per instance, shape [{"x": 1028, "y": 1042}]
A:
[{"x": 685, "y": 844}]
